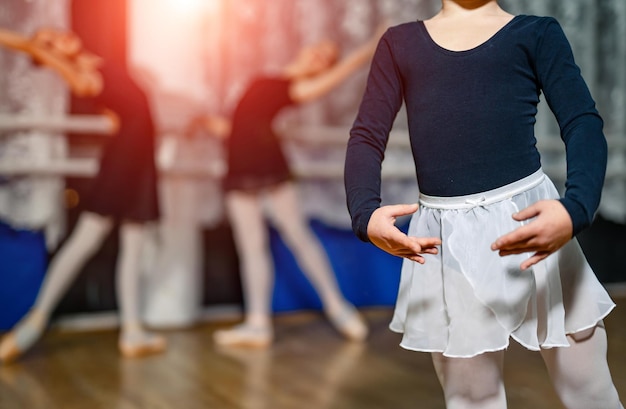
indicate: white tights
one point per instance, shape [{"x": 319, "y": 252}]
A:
[
  {"x": 580, "y": 375},
  {"x": 85, "y": 240},
  {"x": 246, "y": 214},
  {"x": 83, "y": 243}
]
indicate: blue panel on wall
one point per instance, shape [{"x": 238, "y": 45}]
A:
[
  {"x": 366, "y": 275},
  {"x": 23, "y": 261}
]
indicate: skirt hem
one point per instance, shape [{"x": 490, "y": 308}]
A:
[{"x": 397, "y": 330}]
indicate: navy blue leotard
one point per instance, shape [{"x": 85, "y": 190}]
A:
[{"x": 471, "y": 116}]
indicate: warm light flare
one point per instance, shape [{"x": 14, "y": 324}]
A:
[{"x": 192, "y": 6}]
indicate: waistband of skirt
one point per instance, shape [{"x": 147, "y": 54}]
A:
[{"x": 484, "y": 198}]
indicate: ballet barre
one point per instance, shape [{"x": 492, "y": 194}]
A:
[
  {"x": 315, "y": 136},
  {"x": 93, "y": 124},
  {"x": 69, "y": 167},
  {"x": 79, "y": 167}
]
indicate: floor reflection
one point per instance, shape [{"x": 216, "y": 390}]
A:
[
  {"x": 264, "y": 372},
  {"x": 21, "y": 385}
]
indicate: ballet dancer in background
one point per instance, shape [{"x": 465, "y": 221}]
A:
[
  {"x": 507, "y": 266},
  {"x": 258, "y": 172},
  {"x": 124, "y": 191}
]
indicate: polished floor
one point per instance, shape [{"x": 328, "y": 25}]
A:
[{"x": 309, "y": 366}]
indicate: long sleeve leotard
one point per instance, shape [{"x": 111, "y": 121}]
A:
[{"x": 471, "y": 116}]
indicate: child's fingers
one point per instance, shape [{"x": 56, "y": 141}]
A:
[
  {"x": 401, "y": 209},
  {"x": 427, "y": 242},
  {"x": 408, "y": 245},
  {"x": 417, "y": 259},
  {"x": 528, "y": 212},
  {"x": 423, "y": 244},
  {"x": 516, "y": 240},
  {"x": 414, "y": 246},
  {"x": 534, "y": 259}
]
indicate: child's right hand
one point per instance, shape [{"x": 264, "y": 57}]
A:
[
  {"x": 113, "y": 119},
  {"x": 384, "y": 234},
  {"x": 215, "y": 125}
]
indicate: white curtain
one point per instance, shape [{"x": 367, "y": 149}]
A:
[
  {"x": 203, "y": 61},
  {"x": 246, "y": 37},
  {"x": 31, "y": 201}
]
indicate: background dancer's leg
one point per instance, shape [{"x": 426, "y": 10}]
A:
[
  {"x": 312, "y": 259},
  {"x": 252, "y": 242},
  {"x": 134, "y": 340},
  {"x": 84, "y": 242}
]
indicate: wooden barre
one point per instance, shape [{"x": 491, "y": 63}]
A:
[{"x": 95, "y": 124}]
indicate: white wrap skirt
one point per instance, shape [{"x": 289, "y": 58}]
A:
[{"x": 468, "y": 300}]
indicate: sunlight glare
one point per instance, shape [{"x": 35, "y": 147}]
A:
[{"x": 192, "y": 6}]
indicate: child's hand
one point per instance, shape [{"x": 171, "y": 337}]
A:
[
  {"x": 215, "y": 125},
  {"x": 114, "y": 120},
  {"x": 384, "y": 234},
  {"x": 218, "y": 126},
  {"x": 550, "y": 231}
]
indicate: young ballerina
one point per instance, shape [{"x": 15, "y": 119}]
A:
[
  {"x": 258, "y": 174},
  {"x": 490, "y": 253},
  {"x": 124, "y": 192}
]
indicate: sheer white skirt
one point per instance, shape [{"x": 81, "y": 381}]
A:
[{"x": 467, "y": 300}]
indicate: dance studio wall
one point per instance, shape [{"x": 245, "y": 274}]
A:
[{"x": 235, "y": 39}]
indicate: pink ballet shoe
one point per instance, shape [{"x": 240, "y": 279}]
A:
[
  {"x": 245, "y": 336},
  {"x": 22, "y": 336},
  {"x": 9, "y": 351},
  {"x": 349, "y": 323},
  {"x": 148, "y": 344}
]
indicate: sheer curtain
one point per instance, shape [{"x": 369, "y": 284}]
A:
[
  {"x": 231, "y": 41},
  {"x": 31, "y": 201},
  {"x": 247, "y": 37}
]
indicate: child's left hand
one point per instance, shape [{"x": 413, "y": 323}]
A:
[{"x": 550, "y": 231}]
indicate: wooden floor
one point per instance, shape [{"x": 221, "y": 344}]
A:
[{"x": 309, "y": 366}]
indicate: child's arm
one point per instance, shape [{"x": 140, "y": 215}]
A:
[
  {"x": 13, "y": 40},
  {"x": 557, "y": 221},
  {"x": 369, "y": 135},
  {"x": 308, "y": 89},
  {"x": 60, "y": 51},
  {"x": 385, "y": 235}
]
